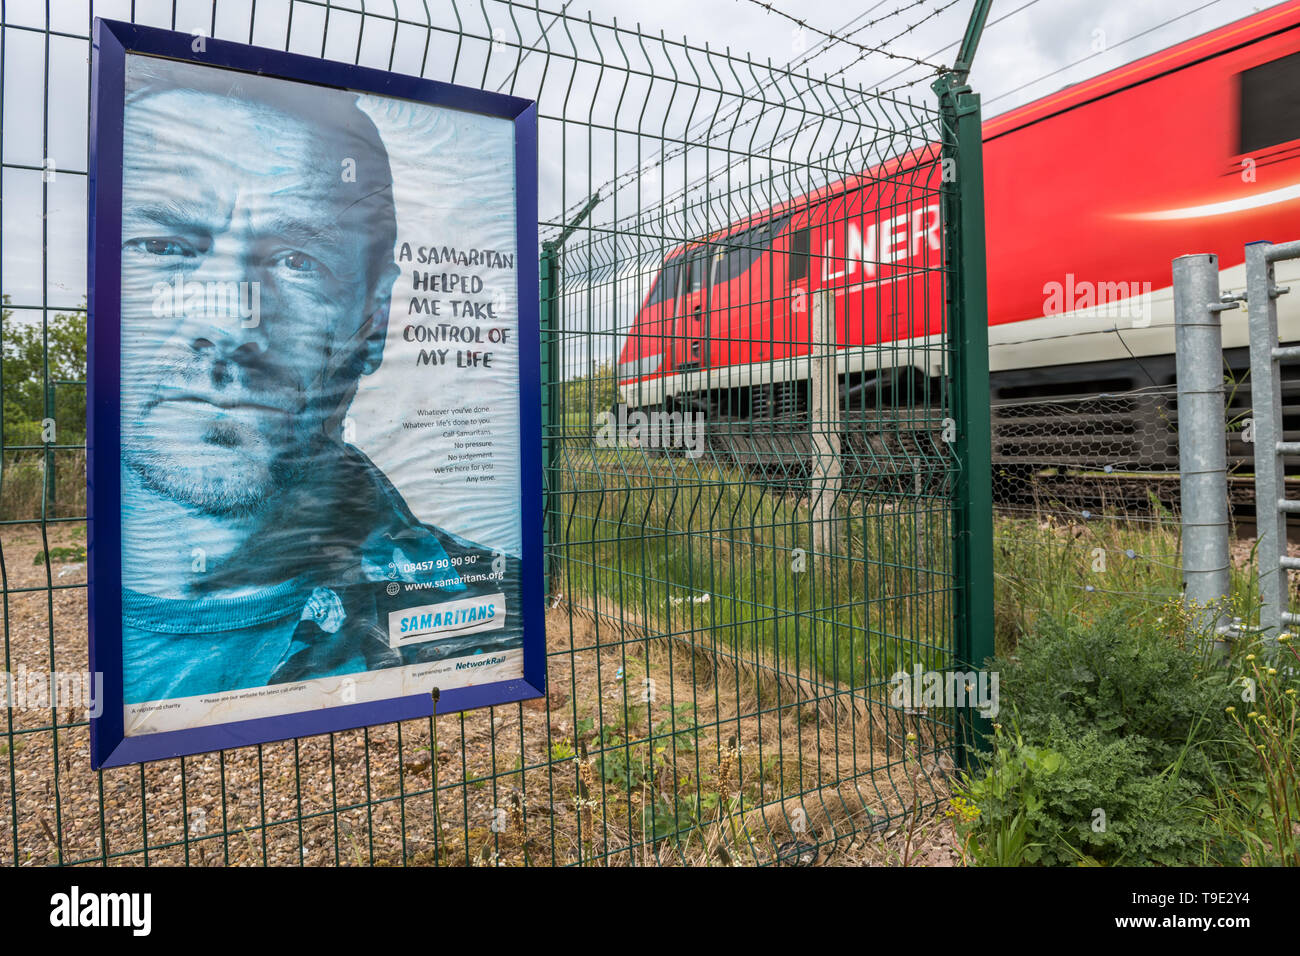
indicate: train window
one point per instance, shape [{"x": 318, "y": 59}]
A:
[
  {"x": 799, "y": 249},
  {"x": 666, "y": 287},
  {"x": 697, "y": 271},
  {"x": 744, "y": 248},
  {"x": 1270, "y": 103},
  {"x": 735, "y": 255},
  {"x": 733, "y": 261}
]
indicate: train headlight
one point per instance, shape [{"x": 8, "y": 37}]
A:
[{"x": 639, "y": 367}]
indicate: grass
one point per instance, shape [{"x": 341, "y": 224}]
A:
[
  {"x": 23, "y": 491},
  {"x": 746, "y": 569},
  {"x": 1130, "y": 739},
  {"x": 1050, "y": 566},
  {"x": 710, "y": 554},
  {"x": 1260, "y": 807},
  {"x": 695, "y": 549},
  {"x": 692, "y": 549}
]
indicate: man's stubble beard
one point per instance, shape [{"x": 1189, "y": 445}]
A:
[
  {"x": 238, "y": 489},
  {"x": 242, "y": 488},
  {"x": 239, "y": 486}
]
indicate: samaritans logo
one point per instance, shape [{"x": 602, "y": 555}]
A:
[
  {"x": 654, "y": 429},
  {"x": 466, "y": 616}
]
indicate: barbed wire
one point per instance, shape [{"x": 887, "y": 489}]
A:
[
  {"x": 828, "y": 42},
  {"x": 942, "y": 49},
  {"x": 867, "y": 50},
  {"x": 886, "y": 91},
  {"x": 685, "y": 191}
]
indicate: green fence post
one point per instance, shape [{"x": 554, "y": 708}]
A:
[
  {"x": 553, "y": 430},
  {"x": 50, "y": 488},
  {"x": 963, "y": 190},
  {"x": 551, "y": 410}
]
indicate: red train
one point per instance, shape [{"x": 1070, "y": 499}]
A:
[{"x": 1090, "y": 193}]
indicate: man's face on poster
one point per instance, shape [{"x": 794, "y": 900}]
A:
[{"x": 253, "y": 296}]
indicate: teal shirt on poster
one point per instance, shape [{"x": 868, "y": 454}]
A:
[{"x": 187, "y": 648}]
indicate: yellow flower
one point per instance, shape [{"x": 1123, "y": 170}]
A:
[
  {"x": 1231, "y": 710},
  {"x": 1250, "y": 657},
  {"x": 1253, "y": 714},
  {"x": 961, "y": 811}
]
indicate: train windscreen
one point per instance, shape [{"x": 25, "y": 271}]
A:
[
  {"x": 1270, "y": 103},
  {"x": 741, "y": 250},
  {"x": 666, "y": 286}
]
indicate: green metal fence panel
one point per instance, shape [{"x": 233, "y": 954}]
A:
[{"x": 766, "y": 475}]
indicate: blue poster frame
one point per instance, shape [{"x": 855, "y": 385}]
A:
[{"x": 112, "y": 41}]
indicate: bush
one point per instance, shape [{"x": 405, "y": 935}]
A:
[
  {"x": 1125, "y": 677},
  {"x": 1121, "y": 737},
  {"x": 1086, "y": 798}
]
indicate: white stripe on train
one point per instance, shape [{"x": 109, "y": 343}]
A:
[{"x": 1066, "y": 339}]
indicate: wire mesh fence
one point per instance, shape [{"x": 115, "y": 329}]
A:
[{"x": 750, "y": 403}]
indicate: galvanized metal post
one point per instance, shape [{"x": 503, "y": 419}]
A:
[
  {"x": 1202, "y": 443},
  {"x": 824, "y": 420},
  {"x": 1271, "y": 506}
]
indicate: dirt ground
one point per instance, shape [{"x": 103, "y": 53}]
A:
[{"x": 761, "y": 768}]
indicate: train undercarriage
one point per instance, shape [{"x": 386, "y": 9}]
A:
[{"x": 1092, "y": 435}]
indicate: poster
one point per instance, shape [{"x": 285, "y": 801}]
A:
[{"x": 315, "y": 477}]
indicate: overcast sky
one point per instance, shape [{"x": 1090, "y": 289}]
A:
[
  {"x": 1041, "y": 45},
  {"x": 1030, "y": 48}
]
